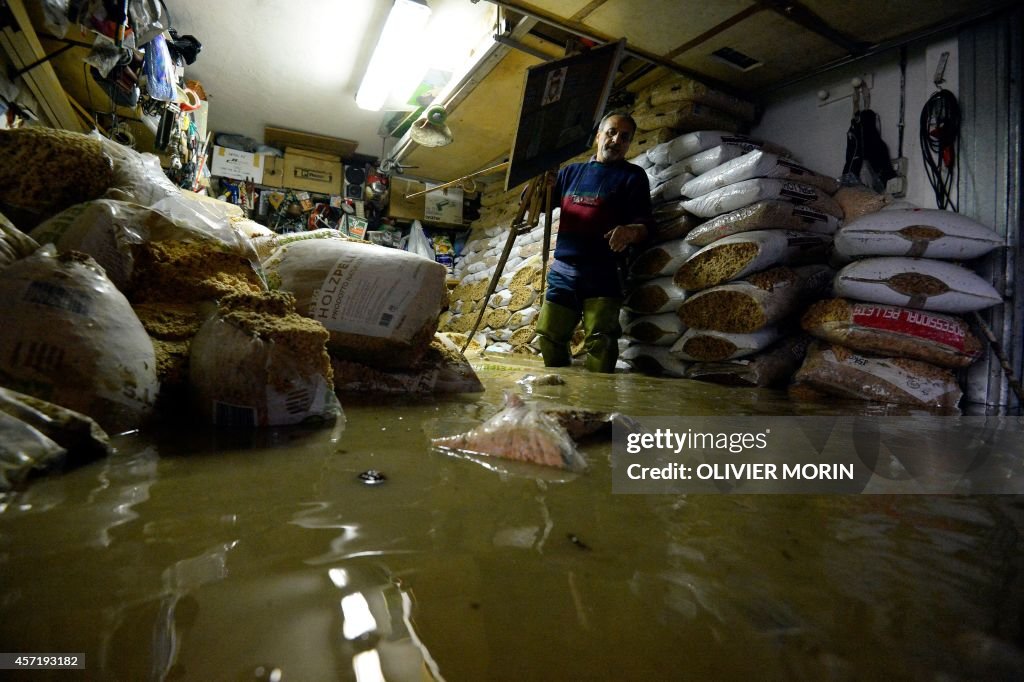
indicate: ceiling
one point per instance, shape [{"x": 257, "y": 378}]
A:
[{"x": 297, "y": 63}]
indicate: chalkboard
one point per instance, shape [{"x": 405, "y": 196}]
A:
[{"x": 561, "y": 106}]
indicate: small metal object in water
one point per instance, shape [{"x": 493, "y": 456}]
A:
[
  {"x": 576, "y": 541},
  {"x": 372, "y": 477}
]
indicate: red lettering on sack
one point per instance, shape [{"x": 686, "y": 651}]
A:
[{"x": 916, "y": 323}]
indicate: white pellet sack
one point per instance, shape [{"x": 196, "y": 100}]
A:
[
  {"x": 706, "y": 345},
  {"x": 656, "y": 360},
  {"x": 14, "y": 243},
  {"x": 642, "y": 160},
  {"x": 915, "y": 283},
  {"x": 70, "y": 337},
  {"x": 654, "y": 296},
  {"x": 655, "y": 330},
  {"x": 763, "y": 215},
  {"x": 748, "y": 252},
  {"x": 521, "y": 318},
  {"x": 662, "y": 260},
  {"x": 756, "y": 164},
  {"x": 760, "y": 299},
  {"x": 740, "y": 194},
  {"x": 669, "y": 189},
  {"x": 709, "y": 159},
  {"x": 918, "y": 233}
]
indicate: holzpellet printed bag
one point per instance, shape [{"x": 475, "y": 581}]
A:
[
  {"x": 744, "y": 306},
  {"x": 756, "y": 164},
  {"x": 841, "y": 372},
  {"x": 771, "y": 214},
  {"x": 746, "y": 192},
  {"x": 697, "y": 345},
  {"x": 917, "y": 233},
  {"x": 894, "y": 331},
  {"x": 748, "y": 252},
  {"x": 380, "y": 305},
  {"x": 915, "y": 283}
]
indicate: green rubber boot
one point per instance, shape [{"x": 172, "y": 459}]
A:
[
  {"x": 555, "y": 326},
  {"x": 601, "y": 324}
]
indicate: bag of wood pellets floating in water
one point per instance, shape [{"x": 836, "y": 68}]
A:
[
  {"x": 702, "y": 345},
  {"x": 746, "y": 192},
  {"x": 771, "y": 214},
  {"x": 70, "y": 337},
  {"x": 757, "y": 164},
  {"x": 916, "y": 232},
  {"x": 662, "y": 260},
  {"x": 380, "y": 305},
  {"x": 655, "y": 330},
  {"x": 915, "y": 283},
  {"x": 838, "y": 371},
  {"x": 887, "y": 330},
  {"x": 760, "y": 299},
  {"x": 774, "y": 366},
  {"x": 654, "y": 360},
  {"x": 654, "y": 296},
  {"x": 748, "y": 252},
  {"x": 259, "y": 363},
  {"x": 521, "y": 431}
]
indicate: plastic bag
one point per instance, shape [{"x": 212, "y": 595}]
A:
[
  {"x": 159, "y": 70},
  {"x": 522, "y": 432},
  {"x": 418, "y": 242}
]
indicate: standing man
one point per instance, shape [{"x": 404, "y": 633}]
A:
[{"x": 605, "y": 207}]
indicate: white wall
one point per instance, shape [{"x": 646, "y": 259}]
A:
[{"x": 816, "y": 132}]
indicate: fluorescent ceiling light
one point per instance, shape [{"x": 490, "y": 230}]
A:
[{"x": 395, "y": 54}]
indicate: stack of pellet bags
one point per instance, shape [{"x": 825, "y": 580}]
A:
[
  {"x": 741, "y": 287},
  {"x": 510, "y": 315},
  {"x": 122, "y": 295}
]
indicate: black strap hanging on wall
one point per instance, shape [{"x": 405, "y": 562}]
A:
[{"x": 864, "y": 144}]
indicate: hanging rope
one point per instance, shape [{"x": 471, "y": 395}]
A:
[{"x": 940, "y": 137}]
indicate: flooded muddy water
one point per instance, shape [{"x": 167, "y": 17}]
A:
[{"x": 194, "y": 554}]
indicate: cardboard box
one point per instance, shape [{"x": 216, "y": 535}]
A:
[
  {"x": 273, "y": 171},
  {"x": 312, "y": 171},
  {"x": 231, "y": 163},
  {"x": 399, "y": 206}
]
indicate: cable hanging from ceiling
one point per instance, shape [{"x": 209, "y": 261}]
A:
[{"x": 940, "y": 140}]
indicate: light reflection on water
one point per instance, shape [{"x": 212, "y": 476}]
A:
[{"x": 199, "y": 555}]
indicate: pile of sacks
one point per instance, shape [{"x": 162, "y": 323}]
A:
[
  {"x": 741, "y": 285},
  {"x": 742, "y": 234},
  {"x": 678, "y": 104},
  {"x": 146, "y": 298},
  {"x": 895, "y": 331}
]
